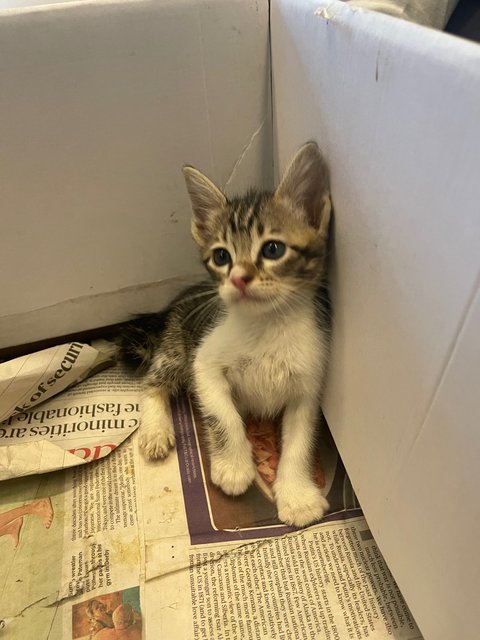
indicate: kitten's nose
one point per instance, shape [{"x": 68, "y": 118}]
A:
[
  {"x": 241, "y": 281},
  {"x": 241, "y": 276}
]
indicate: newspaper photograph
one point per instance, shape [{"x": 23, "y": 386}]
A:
[{"x": 128, "y": 548}]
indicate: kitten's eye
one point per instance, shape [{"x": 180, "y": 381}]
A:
[
  {"x": 221, "y": 257},
  {"x": 273, "y": 249}
]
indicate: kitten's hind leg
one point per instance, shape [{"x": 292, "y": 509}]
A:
[{"x": 156, "y": 430}]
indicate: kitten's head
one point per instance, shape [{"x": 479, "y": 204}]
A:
[{"x": 265, "y": 249}]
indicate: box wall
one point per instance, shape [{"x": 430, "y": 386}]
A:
[
  {"x": 101, "y": 105},
  {"x": 395, "y": 108}
]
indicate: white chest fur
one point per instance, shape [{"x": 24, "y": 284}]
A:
[{"x": 268, "y": 360}]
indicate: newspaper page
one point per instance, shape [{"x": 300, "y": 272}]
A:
[
  {"x": 127, "y": 549},
  {"x": 84, "y": 423},
  {"x": 31, "y": 379},
  {"x": 71, "y": 541},
  {"x": 224, "y": 568}
]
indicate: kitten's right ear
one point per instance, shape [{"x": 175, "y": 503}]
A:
[
  {"x": 305, "y": 186},
  {"x": 207, "y": 202}
]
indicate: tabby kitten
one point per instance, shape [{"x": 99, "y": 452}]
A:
[{"x": 253, "y": 340}]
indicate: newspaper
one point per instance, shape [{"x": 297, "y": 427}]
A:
[
  {"x": 124, "y": 548},
  {"x": 31, "y": 379},
  {"x": 84, "y": 423}
]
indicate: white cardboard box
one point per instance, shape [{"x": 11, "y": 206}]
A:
[
  {"x": 396, "y": 107},
  {"x": 100, "y": 105}
]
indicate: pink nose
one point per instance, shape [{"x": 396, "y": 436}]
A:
[{"x": 241, "y": 281}]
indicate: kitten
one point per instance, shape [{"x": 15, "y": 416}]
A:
[{"x": 254, "y": 339}]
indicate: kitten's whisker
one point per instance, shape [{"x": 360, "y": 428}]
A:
[
  {"x": 277, "y": 308},
  {"x": 202, "y": 309},
  {"x": 316, "y": 302},
  {"x": 313, "y": 297},
  {"x": 212, "y": 292},
  {"x": 279, "y": 302},
  {"x": 197, "y": 309},
  {"x": 203, "y": 316}
]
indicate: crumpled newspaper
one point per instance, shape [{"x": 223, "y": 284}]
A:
[
  {"x": 31, "y": 379},
  {"x": 48, "y": 421}
]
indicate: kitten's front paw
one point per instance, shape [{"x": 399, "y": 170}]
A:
[
  {"x": 156, "y": 444},
  {"x": 300, "y": 506},
  {"x": 232, "y": 475}
]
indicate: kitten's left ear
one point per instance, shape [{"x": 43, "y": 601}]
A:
[
  {"x": 207, "y": 202},
  {"x": 305, "y": 185}
]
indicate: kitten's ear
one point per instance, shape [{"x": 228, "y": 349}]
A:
[
  {"x": 305, "y": 185},
  {"x": 207, "y": 202}
]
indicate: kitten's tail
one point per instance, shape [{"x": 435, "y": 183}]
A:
[{"x": 138, "y": 341}]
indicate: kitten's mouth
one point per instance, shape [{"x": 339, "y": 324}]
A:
[{"x": 247, "y": 297}]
